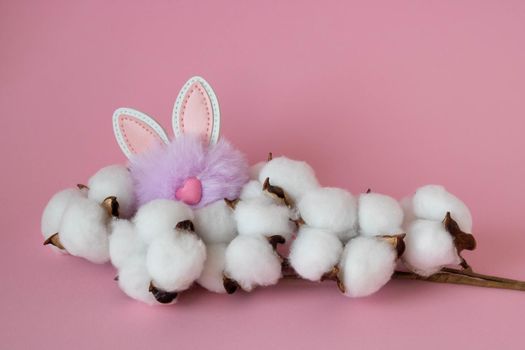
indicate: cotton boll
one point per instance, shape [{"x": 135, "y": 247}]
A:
[
  {"x": 114, "y": 180},
  {"x": 175, "y": 261},
  {"x": 54, "y": 210},
  {"x": 429, "y": 247},
  {"x": 84, "y": 230},
  {"x": 211, "y": 277},
  {"x": 251, "y": 261},
  {"x": 314, "y": 252},
  {"x": 367, "y": 265},
  {"x": 408, "y": 212},
  {"x": 379, "y": 215},
  {"x": 255, "y": 170},
  {"x": 330, "y": 208},
  {"x": 160, "y": 216},
  {"x": 124, "y": 243},
  {"x": 134, "y": 280},
  {"x": 214, "y": 223},
  {"x": 253, "y": 190},
  {"x": 294, "y": 177},
  {"x": 432, "y": 202},
  {"x": 259, "y": 218}
]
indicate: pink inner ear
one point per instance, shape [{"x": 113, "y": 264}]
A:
[
  {"x": 137, "y": 135},
  {"x": 196, "y": 116}
]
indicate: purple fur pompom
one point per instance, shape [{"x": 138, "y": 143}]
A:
[{"x": 158, "y": 173}]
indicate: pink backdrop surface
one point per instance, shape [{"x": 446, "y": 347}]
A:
[{"x": 386, "y": 95}]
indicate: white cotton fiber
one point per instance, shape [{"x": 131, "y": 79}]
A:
[
  {"x": 251, "y": 261},
  {"x": 253, "y": 190},
  {"x": 294, "y": 177},
  {"x": 255, "y": 170},
  {"x": 211, "y": 276},
  {"x": 367, "y": 264},
  {"x": 54, "y": 210},
  {"x": 432, "y": 202},
  {"x": 214, "y": 223},
  {"x": 429, "y": 247},
  {"x": 408, "y": 212},
  {"x": 134, "y": 280},
  {"x": 330, "y": 208},
  {"x": 379, "y": 214},
  {"x": 84, "y": 230},
  {"x": 259, "y": 218},
  {"x": 175, "y": 261},
  {"x": 314, "y": 252},
  {"x": 124, "y": 243},
  {"x": 159, "y": 217},
  {"x": 114, "y": 180}
]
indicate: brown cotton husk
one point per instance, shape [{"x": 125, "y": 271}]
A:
[
  {"x": 186, "y": 225},
  {"x": 275, "y": 240},
  {"x": 111, "y": 205},
  {"x": 462, "y": 240},
  {"x": 231, "y": 203},
  {"x": 162, "y": 296},
  {"x": 270, "y": 156},
  {"x": 397, "y": 241},
  {"x": 54, "y": 240},
  {"x": 277, "y": 193},
  {"x": 229, "y": 284},
  {"x": 82, "y": 187}
]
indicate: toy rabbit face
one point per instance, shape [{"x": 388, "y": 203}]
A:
[{"x": 196, "y": 167}]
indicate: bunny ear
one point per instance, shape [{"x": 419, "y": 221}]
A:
[
  {"x": 196, "y": 111},
  {"x": 135, "y": 131}
]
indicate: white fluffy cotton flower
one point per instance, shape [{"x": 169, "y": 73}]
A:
[
  {"x": 432, "y": 202},
  {"x": 84, "y": 230},
  {"x": 211, "y": 277},
  {"x": 214, "y": 223},
  {"x": 379, "y": 214},
  {"x": 251, "y": 261},
  {"x": 134, "y": 280},
  {"x": 124, "y": 243},
  {"x": 294, "y": 177},
  {"x": 314, "y": 252},
  {"x": 429, "y": 247},
  {"x": 114, "y": 180},
  {"x": 330, "y": 208},
  {"x": 55, "y": 208},
  {"x": 176, "y": 260},
  {"x": 367, "y": 264},
  {"x": 159, "y": 217},
  {"x": 260, "y": 218},
  {"x": 408, "y": 212}
]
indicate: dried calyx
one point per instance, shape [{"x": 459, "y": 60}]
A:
[
  {"x": 186, "y": 225},
  {"x": 162, "y": 296},
  {"x": 397, "y": 241},
  {"x": 230, "y": 285},
  {"x": 462, "y": 240},
  {"x": 109, "y": 203},
  {"x": 231, "y": 203},
  {"x": 277, "y": 193}
]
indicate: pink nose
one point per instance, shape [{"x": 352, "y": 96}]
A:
[{"x": 190, "y": 192}]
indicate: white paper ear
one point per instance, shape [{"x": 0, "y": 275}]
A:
[
  {"x": 196, "y": 111},
  {"x": 136, "y": 132}
]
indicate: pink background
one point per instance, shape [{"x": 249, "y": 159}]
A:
[{"x": 387, "y": 95}]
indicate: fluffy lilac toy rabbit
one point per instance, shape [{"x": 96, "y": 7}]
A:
[{"x": 195, "y": 167}]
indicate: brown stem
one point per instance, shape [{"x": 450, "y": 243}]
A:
[
  {"x": 453, "y": 276},
  {"x": 481, "y": 276}
]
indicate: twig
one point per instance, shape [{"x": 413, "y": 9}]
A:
[{"x": 464, "y": 277}]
